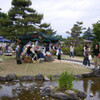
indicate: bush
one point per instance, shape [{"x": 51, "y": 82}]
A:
[
  {"x": 78, "y": 51},
  {"x": 65, "y": 50},
  {"x": 65, "y": 81}
]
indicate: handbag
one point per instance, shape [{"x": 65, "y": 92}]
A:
[
  {"x": 90, "y": 57},
  {"x": 99, "y": 55}
]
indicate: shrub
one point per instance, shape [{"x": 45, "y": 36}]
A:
[
  {"x": 65, "y": 50},
  {"x": 65, "y": 81},
  {"x": 78, "y": 51},
  {"x": 50, "y": 77}
]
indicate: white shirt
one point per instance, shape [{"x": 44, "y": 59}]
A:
[{"x": 71, "y": 48}]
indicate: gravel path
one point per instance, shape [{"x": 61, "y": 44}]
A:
[{"x": 79, "y": 63}]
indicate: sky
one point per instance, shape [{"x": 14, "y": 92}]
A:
[{"x": 63, "y": 14}]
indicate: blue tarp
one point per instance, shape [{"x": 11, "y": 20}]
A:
[{"x": 3, "y": 40}]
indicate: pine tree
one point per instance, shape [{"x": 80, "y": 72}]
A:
[{"x": 24, "y": 18}]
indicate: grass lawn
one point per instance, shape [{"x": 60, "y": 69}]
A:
[{"x": 8, "y": 65}]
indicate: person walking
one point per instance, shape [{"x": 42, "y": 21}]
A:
[{"x": 95, "y": 53}]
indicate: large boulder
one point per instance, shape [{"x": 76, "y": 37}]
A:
[
  {"x": 71, "y": 94},
  {"x": 26, "y": 78},
  {"x": 63, "y": 96},
  {"x": 11, "y": 77},
  {"x": 2, "y": 78},
  {"x": 46, "y": 91}
]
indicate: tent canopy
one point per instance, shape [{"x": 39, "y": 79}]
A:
[
  {"x": 3, "y": 40},
  {"x": 41, "y": 37}
]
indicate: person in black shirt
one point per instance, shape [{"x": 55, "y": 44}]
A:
[{"x": 96, "y": 52}]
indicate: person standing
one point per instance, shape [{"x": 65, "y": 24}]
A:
[
  {"x": 86, "y": 57},
  {"x": 96, "y": 52},
  {"x": 59, "y": 50},
  {"x": 71, "y": 51}
]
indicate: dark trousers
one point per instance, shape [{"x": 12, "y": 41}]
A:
[
  {"x": 86, "y": 61},
  {"x": 59, "y": 56},
  {"x": 71, "y": 54}
]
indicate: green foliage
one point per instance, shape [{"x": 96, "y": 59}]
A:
[
  {"x": 50, "y": 77},
  {"x": 76, "y": 32},
  {"x": 88, "y": 34},
  {"x": 78, "y": 51},
  {"x": 24, "y": 18},
  {"x": 96, "y": 31},
  {"x": 22, "y": 3},
  {"x": 4, "y": 24},
  {"x": 69, "y": 40},
  {"x": 65, "y": 50},
  {"x": 65, "y": 81}
]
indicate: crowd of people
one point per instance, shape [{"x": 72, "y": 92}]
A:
[
  {"x": 88, "y": 57},
  {"x": 37, "y": 51},
  {"x": 88, "y": 53},
  {"x": 40, "y": 51}
]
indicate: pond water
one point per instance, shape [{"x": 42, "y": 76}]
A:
[
  {"x": 28, "y": 91},
  {"x": 91, "y": 86}
]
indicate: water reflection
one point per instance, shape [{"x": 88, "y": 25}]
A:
[
  {"x": 20, "y": 91},
  {"x": 90, "y": 86}
]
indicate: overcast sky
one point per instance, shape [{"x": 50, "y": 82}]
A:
[{"x": 62, "y": 14}]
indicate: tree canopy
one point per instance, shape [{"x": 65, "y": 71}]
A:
[
  {"x": 96, "y": 30},
  {"x": 76, "y": 32},
  {"x": 23, "y": 19},
  {"x": 88, "y": 34},
  {"x": 4, "y": 24}
]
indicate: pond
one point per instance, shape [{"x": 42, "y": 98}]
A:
[
  {"x": 91, "y": 86},
  {"x": 30, "y": 91}
]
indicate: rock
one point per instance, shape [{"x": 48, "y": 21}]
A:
[
  {"x": 11, "y": 77},
  {"x": 91, "y": 95},
  {"x": 69, "y": 91},
  {"x": 71, "y": 95},
  {"x": 60, "y": 96},
  {"x": 81, "y": 94},
  {"x": 55, "y": 77},
  {"x": 46, "y": 78},
  {"x": 26, "y": 78},
  {"x": 86, "y": 75},
  {"x": 48, "y": 59},
  {"x": 96, "y": 72},
  {"x": 39, "y": 77},
  {"x": 51, "y": 84},
  {"x": 77, "y": 76},
  {"x": 2, "y": 78},
  {"x": 46, "y": 91}
]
